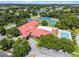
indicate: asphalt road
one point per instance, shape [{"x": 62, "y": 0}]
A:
[
  {"x": 44, "y": 52},
  {"x": 4, "y": 54}
]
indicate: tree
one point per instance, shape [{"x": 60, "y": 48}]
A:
[
  {"x": 34, "y": 13},
  {"x": 52, "y": 42},
  {"x": 2, "y": 30},
  {"x": 44, "y": 23},
  {"x": 21, "y": 21},
  {"x": 3, "y": 44},
  {"x": 6, "y": 43},
  {"x": 68, "y": 21},
  {"x": 68, "y": 45},
  {"x": 24, "y": 14},
  {"x": 54, "y": 14},
  {"x": 20, "y": 48},
  {"x": 13, "y": 32},
  {"x": 43, "y": 14},
  {"x": 2, "y": 22}
]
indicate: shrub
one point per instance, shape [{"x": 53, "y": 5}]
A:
[
  {"x": 13, "y": 32},
  {"x": 43, "y": 14},
  {"x": 2, "y": 30},
  {"x": 34, "y": 13},
  {"x": 6, "y": 43},
  {"x": 44, "y": 23}
]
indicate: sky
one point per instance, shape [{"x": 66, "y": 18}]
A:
[{"x": 39, "y": 1}]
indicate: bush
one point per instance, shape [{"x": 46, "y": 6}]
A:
[
  {"x": 13, "y": 32},
  {"x": 20, "y": 48},
  {"x": 44, "y": 14},
  {"x": 44, "y": 23},
  {"x": 34, "y": 13},
  {"x": 52, "y": 42},
  {"x": 2, "y": 30},
  {"x": 67, "y": 45},
  {"x": 21, "y": 21},
  {"x": 6, "y": 43}
]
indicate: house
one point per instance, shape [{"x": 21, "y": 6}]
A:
[
  {"x": 45, "y": 28},
  {"x": 50, "y": 29},
  {"x": 38, "y": 32},
  {"x": 25, "y": 29},
  {"x": 32, "y": 29},
  {"x": 58, "y": 32}
]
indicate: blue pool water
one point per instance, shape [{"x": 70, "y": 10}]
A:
[
  {"x": 44, "y": 18},
  {"x": 52, "y": 22},
  {"x": 64, "y": 35}
]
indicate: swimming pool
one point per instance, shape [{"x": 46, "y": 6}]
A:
[
  {"x": 52, "y": 22},
  {"x": 64, "y": 35},
  {"x": 44, "y": 18}
]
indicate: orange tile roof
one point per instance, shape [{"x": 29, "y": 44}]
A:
[
  {"x": 24, "y": 29},
  {"x": 30, "y": 24},
  {"x": 38, "y": 32},
  {"x": 30, "y": 27},
  {"x": 25, "y": 34},
  {"x": 27, "y": 26}
]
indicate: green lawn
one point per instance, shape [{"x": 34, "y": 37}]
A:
[
  {"x": 37, "y": 44},
  {"x": 76, "y": 52}
]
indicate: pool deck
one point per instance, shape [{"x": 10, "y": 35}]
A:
[{"x": 59, "y": 33}]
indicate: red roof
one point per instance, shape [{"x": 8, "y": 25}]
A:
[
  {"x": 25, "y": 34},
  {"x": 24, "y": 29},
  {"x": 30, "y": 27},
  {"x": 27, "y": 26},
  {"x": 38, "y": 32},
  {"x": 30, "y": 24}
]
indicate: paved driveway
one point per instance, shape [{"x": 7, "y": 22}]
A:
[
  {"x": 4, "y": 54},
  {"x": 43, "y": 52}
]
